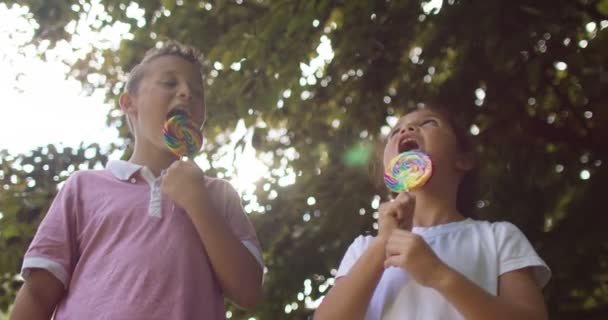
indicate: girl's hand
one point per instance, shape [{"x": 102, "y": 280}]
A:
[
  {"x": 184, "y": 183},
  {"x": 411, "y": 253},
  {"x": 395, "y": 214}
]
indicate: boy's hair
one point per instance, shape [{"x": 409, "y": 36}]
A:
[
  {"x": 467, "y": 189},
  {"x": 169, "y": 48}
]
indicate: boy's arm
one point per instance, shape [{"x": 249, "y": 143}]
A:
[
  {"x": 350, "y": 296},
  {"x": 519, "y": 297},
  {"x": 237, "y": 270},
  {"x": 38, "y": 297}
]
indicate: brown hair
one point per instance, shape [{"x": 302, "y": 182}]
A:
[
  {"x": 169, "y": 48},
  {"x": 467, "y": 189}
]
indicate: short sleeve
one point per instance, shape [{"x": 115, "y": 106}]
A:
[
  {"x": 354, "y": 251},
  {"x": 54, "y": 246},
  {"x": 515, "y": 252},
  {"x": 239, "y": 223}
]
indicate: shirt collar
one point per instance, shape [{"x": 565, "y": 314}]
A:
[
  {"x": 124, "y": 170},
  {"x": 121, "y": 169},
  {"x": 427, "y": 232}
]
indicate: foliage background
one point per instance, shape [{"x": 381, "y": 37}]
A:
[{"x": 527, "y": 77}]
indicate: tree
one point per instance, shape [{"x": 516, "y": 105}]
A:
[
  {"x": 29, "y": 184},
  {"x": 526, "y": 76}
]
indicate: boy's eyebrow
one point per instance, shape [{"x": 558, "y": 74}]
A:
[
  {"x": 170, "y": 73},
  {"x": 167, "y": 72}
]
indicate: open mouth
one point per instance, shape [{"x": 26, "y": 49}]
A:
[
  {"x": 408, "y": 145},
  {"x": 180, "y": 108},
  {"x": 177, "y": 111}
]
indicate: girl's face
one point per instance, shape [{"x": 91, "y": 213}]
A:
[{"x": 431, "y": 132}]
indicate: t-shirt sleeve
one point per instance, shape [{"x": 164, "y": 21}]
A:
[
  {"x": 354, "y": 251},
  {"x": 54, "y": 246},
  {"x": 515, "y": 252},
  {"x": 239, "y": 223}
]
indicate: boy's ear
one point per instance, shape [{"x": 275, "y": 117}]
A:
[
  {"x": 465, "y": 162},
  {"x": 126, "y": 103}
]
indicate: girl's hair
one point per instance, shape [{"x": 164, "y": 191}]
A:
[{"x": 467, "y": 189}]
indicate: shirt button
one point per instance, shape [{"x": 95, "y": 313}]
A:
[{"x": 133, "y": 180}]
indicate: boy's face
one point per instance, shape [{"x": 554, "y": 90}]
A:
[
  {"x": 429, "y": 131},
  {"x": 169, "y": 82}
]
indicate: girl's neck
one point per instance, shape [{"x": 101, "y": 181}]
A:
[
  {"x": 435, "y": 207},
  {"x": 151, "y": 157}
]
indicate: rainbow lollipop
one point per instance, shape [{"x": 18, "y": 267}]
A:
[
  {"x": 181, "y": 134},
  {"x": 408, "y": 171}
]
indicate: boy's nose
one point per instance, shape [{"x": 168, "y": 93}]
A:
[{"x": 184, "y": 93}]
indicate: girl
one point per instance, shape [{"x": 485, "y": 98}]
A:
[{"x": 428, "y": 260}]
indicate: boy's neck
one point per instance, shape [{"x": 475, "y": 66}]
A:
[{"x": 154, "y": 159}]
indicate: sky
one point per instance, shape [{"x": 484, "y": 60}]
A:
[
  {"x": 39, "y": 105},
  {"x": 42, "y": 106}
]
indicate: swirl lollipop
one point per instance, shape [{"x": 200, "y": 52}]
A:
[
  {"x": 181, "y": 134},
  {"x": 408, "y": 171}
]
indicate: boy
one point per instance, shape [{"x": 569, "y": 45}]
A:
[{"x": 151, "y": 238}]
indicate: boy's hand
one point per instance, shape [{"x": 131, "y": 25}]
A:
[
  {"x": 396, "y": 214},
  {"x": 411, "y": 253},
  {"x": 184, "y": 183}
]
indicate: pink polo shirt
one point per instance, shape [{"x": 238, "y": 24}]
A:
[{"x": 125, "y": 251}]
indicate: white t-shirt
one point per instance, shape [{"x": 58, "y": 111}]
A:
[{"x": 479, "y": 250}]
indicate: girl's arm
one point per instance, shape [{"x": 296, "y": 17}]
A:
[
  {"x": 518, "y": 296},
  {"x": 350, "y": 295},
  {"x": 38, "y": 297}
]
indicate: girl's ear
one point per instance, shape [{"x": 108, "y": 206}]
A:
[{"x": 466, "y": 162}]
